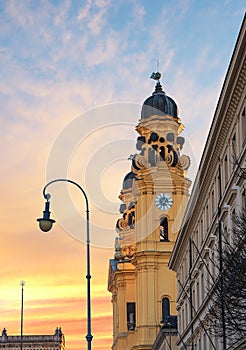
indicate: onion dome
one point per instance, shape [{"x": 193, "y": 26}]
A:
[
  {"x": 159, "y": 104},
  {"x": 128, "y": 179}
]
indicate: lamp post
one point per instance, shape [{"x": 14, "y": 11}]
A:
[
  {"x": 22, "y": 283},
  {"x": 45, "y": 224}
]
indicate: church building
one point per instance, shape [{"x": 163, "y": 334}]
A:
[{"x": 154, "y": 196}]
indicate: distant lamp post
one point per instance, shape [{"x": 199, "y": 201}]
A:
[
  {"x": 45, "y": 224},
  {"x": 22, "y": 283}
]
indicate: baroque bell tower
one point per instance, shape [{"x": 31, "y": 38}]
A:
[{"x": 154, "y": 197}]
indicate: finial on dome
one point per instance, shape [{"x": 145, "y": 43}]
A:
[{"x": 159, "y": 103}]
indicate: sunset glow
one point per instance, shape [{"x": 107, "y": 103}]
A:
[{"x": 61, "y": 60}]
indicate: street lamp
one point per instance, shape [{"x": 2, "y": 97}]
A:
[
  {"x": 45, "y": 224},
  {"x": 22, "y": 284}
]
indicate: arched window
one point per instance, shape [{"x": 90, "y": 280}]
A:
[
  {"x": 163, "y": 229},
  {"x": 165, "y": 303}
]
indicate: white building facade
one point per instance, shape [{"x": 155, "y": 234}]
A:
[{"x": 218, "y": 195}]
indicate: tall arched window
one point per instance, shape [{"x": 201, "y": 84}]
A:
[
  {"x": 164, "y": 229},
  {"x": 165, "y": 303}
]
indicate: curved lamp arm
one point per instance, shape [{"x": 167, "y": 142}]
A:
[
  {"x": 47, "y": 196},
  {"x": 45, "y": 224}
]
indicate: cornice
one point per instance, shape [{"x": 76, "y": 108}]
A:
[{"x": 155, "y": 122}]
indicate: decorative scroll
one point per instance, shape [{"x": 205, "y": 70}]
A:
[
  {"x": 184, "y": 162},
  {"x": 141, "y": 162},
  {"x": 122, "y": 224}
]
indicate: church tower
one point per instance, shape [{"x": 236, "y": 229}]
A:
[{"x": 154, "y": 197}]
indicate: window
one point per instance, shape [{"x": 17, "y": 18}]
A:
[
  {"x": 198, "y": 238},
  {"x": 244, "y": 200},
  {"x": 233, "y": 218},
  {"x": 131, "y": 316},
  {"x": 234, "y": 149},
  {"x": 186, "y": 314},
  {"x": 165, "y": 303},
  {"x": 164, "y": 229},
  {"x": 202, "y": 286},
  {"x": 213, "y": 264},
  {"x": 207, "y": 217},
  {"x": 201, "y": 230},
  {"x": 198, "y": 294},
  {"x": 195, "y": 244},
  {"x": 193, "y": 298},
  {"x": 212, "y": 200},
  {"x": 225, "y": 170},
  {"x": 183, "y": 321},
  {"x": 242, "y": 128},
  {"x": 182, "y": 275}
]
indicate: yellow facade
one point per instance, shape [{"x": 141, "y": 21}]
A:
[{"x": 154, "y": 196}]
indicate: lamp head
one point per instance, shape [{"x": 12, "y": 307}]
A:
[{"x": 45, "y": 223}]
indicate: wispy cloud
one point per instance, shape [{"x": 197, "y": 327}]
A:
[{"x": 59, "y": 59}]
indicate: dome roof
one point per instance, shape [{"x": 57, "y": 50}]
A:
[
  {"x": 159, "y": 104},
  {"x": 128, "y": 179}
]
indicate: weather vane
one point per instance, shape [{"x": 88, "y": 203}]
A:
[{"x": 157, "y": 75}]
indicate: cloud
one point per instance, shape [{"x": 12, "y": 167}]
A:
[
  {"x": 94, "y": 16},
  {"x": 61, "y": 12},
  {"x": 105, "y": 52},
  {"x": 84, "y": 11},
  {"x": 59, "y": 59},
  {"x": 20, "y": 13},
  {"x": 139, "y": 13}
]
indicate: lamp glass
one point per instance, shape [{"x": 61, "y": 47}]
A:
[{"x": 45, "y": 224}]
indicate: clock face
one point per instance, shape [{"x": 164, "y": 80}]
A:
[{"x": 163, "y": 201}]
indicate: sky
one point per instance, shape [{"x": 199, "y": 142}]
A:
[{"x": 73, "y": 77}]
